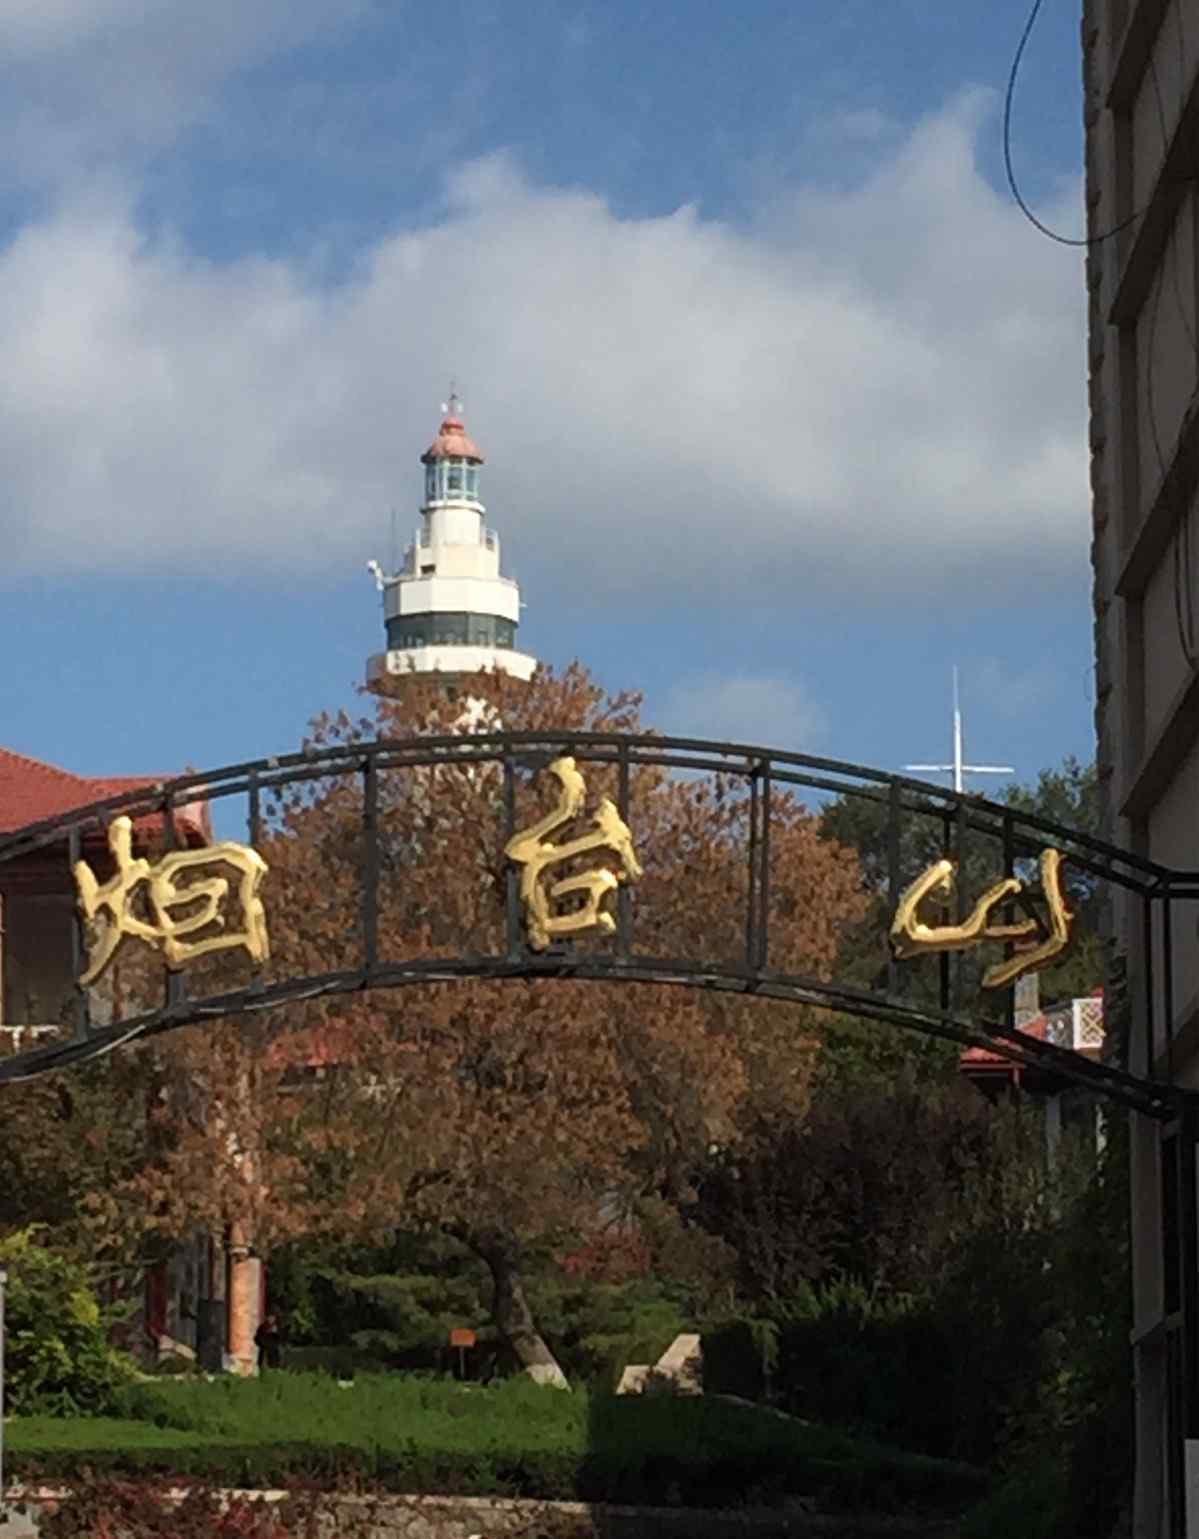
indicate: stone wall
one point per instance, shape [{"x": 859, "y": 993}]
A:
[
  {"x": 453, "y": 1517},
  {"x": 447, "y": 1517}
]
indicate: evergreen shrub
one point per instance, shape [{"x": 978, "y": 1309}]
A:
[
  {"x": 944, "y": 1373},
  {"x": 741, "y": 1358}
]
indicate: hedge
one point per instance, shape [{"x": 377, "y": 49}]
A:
[
  {"x": 602, "y": 1449},
  {"x": 662, "y": 1478}
]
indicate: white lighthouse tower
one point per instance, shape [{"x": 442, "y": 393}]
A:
[{"x": 447, "y": 610}]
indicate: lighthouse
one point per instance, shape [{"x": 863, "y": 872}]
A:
[{"x": 448, "y": 611}]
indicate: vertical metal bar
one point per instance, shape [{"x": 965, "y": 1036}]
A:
[
  {"x": 763, "y": 949},
  {"x": 1173, "y": 1248},
  {"x": 1147, "y": 946},
  {"x": 512, "y": 880},
  {"x": 370, "y": 865},
  {"x": 894, "y": 877},
  {"x": 1168, "y": 986},
  {"x": 170, "y": 834},
  {"x": 947, "y": 917},
  {"x": 176, "y": 984},
  {"x": 1171, "y": 1212},
  {"x": 1180, "y": 1260},
  {"x": 1009, "y": 869},
  {"x": 751, "y": 897},
  {"x": 254, "y": 829},
  {"x": 1188, "y": 1240},
  {"x": 254, "y": 820},
  {"x": 959, "y": 957},
  {"x": 624, "y": 896},
  {"x": 83, "y": 1023}
]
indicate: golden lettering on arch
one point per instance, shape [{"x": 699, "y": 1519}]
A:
[
  {"x": 532, "y": 850},
  {"x": 913, "y": 936},
  {"x": 177, "y": 913}
]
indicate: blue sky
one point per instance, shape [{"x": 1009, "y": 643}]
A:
[{"x": 783, "y": 402}]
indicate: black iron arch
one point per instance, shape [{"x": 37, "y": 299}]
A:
[{"x": 756, "y": 774}]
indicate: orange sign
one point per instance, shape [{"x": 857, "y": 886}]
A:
[{"x": 462, "y": 1338}]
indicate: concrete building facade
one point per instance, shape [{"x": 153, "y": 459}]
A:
[{"x": 1141, "y": 79}]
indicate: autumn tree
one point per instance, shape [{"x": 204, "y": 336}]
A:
[
  {"x": 74, "y": 1145},
  {"x": 514, "y": 1115}
]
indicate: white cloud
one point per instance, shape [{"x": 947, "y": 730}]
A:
[
  {"x": 33, "y": 27},
  {"x": 84, "y": 83},
  {"x": 744, "y": 708},
  {"x": 867, "y": 392}
]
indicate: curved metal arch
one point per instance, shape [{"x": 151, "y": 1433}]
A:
[
  {"x": 1149, "y": 1097},
  {"x": 785, "y": 768},
  {"x": 759, "y": 769}
]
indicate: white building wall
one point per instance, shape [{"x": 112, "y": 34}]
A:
[
  {"x": 449, "y": 661},
  {"x": 454, "y": 523},
  {"x": 478, "y": 595}
]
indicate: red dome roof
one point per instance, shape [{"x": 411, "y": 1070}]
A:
[{"x": 452, "y": 443}]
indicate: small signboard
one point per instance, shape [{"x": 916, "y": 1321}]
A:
[{"x": 461, "y": 1337}]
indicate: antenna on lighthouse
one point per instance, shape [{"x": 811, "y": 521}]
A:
[{"x": 958, "y": 768}]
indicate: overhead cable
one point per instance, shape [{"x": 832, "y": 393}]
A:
[{"x": 1009, "y": 97}]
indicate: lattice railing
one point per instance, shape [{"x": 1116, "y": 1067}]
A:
[
  {"x": 1077, "y": 1025},
  {"x": 1088, "y": 1022}
]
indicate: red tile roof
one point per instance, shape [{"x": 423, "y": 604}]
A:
[
  {"x": 982, "y": 1057},
  {"x": 31, "y": 790}
]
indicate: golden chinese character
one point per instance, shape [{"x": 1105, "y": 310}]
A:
[
  {"x": 528, "y": 850},
  {"x": 910, "y": 936},
  {"x": 166, "y": 929}
]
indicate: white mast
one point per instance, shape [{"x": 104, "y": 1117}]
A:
[{"x": 959, "y": 769}]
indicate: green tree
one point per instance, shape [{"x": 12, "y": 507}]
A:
[
  {"x": 1066, "y": 796},
  {"x": 1069, "y": 796},
  {"x": 882, "y": 1182},
  {"x": 58, "y": 1359}
]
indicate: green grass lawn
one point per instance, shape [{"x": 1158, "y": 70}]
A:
[{"x": 512, "y": 1439}]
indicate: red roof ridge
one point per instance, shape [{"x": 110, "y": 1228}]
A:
[
  {"x": 119, "y": 782},
  {"x": 40, "y": 764},
  {"x": 32, "y": 790}
]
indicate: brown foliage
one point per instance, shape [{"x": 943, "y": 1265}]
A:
[{"x": 521, "y": 1109}]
